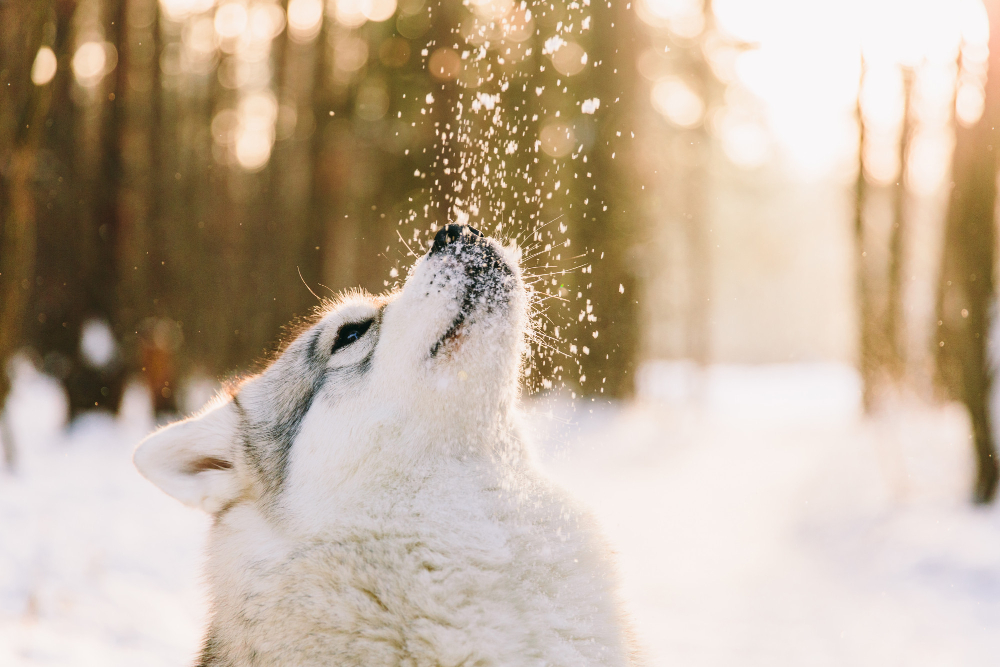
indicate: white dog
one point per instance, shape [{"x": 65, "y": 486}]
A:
[{"x": 373, "y": 501}]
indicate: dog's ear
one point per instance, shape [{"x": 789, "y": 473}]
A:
[{"x": 194, "y": 460}]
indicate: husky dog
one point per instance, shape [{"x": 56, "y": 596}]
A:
[{"x": 373, "y": 501}]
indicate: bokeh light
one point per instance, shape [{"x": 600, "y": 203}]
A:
[
  {"x": 557, "y": 138},
  {"x": 970, "y": 102},
  {"x": 684, "y": 18},
  {"x": 231, "y": 19},
  {"x": 444, "y": 64},
  {"x": 677, "y": 102},
  {"x": 44, "y": 67},
  {"x": 178, "y": 10},
  {"x": 350, "y": 53},
  {"x": 254, "y": 133},
  {"x": 305, "y": 17},
  {"x": 349, "y": 13},
  {"x": 266, "y": 21},
  {"x": 412, "y": 21},
  {"x": 378, "y": 10},
  {"x": 92, "y": 61},
  {"x": 569, "y": 59}
]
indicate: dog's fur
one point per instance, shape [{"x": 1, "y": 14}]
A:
[{"x": 376, "y": 506}]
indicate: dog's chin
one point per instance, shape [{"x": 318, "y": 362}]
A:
[{"x": 482, "y": 314}]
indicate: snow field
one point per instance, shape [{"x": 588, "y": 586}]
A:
[{"x": 759, "y": 520}]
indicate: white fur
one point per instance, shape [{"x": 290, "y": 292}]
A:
[
  {"x": 410, "y": 528},
  {"x": 182, "y": 443}
]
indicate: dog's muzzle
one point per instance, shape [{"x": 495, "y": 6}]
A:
[
  {"x": 474, "y": 251},
  {"x": 490, "y": 277},
  {"x": 453, "y": 233}
]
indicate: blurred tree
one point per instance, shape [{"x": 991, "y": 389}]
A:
[
  {"x": 136, "y": 207},
  {"x": 966, "y": 296},
  {"x": 79, "y": 183},
  {"x": 610, "y": 225},
  {"x": 867, "y": 320},
  {"x": 895, "y": 343},
  {"x": 687, "y": 95},
  {"x": 879, "y": 275},
  {"x": 58, "y": 298},
  {"x": 92, "y": 383},
  {"x": 197, "y": 155},
  {"x": 25, "y": 95}
]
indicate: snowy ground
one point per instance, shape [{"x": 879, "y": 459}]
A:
[{"x": 761, "y": 523}]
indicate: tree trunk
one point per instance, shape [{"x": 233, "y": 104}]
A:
[
  {"x": 137, "y": 97},
  {"x": 868, "y": 359},
  {"x": 608, "y": 229},
  {"x": 895, "y": 358},
  {"x": 965, "y": 296},
  {"x": 24, "y": 108}
]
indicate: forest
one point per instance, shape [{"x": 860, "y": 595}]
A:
[
  {"x": 759, "y": 238},
  {"x": 180, "y": 179}
]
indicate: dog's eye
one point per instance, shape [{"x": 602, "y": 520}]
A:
[{"x": 350, "y": 333}]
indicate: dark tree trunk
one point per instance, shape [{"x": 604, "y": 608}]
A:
[
  {"x": 966, "y": 293},
  {"x": 23, "y": 110},
  {"x": 144, "y": 347},
  {"x": 59, "y": 299},
  {"x": 89, "y": 387},
  {"x": 610, "y": 236}
]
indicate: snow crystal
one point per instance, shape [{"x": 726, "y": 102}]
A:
[
  {"x": 553, "y": 44},
  {"x": 485, "y": 101}
]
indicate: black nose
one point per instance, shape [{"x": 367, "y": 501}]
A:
[{"x": 451, "y": 234}]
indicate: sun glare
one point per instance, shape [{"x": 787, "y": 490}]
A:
[{"x": 804, "y": 69}]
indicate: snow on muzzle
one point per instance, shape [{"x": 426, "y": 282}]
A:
[{"x": 489, "y": 278}]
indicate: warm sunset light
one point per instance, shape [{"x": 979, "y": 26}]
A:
[
  {"x": 803, "y": 67},
  {"x": 590, "y": 333}
]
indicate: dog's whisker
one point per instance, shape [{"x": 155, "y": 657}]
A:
[
  {"x": 408, "y": 248},
  {"x": 537, "y": 230},
  {"x": 561, "y": 272}
]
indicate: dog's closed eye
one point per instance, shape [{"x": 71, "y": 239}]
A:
[{"x": 350, "y": 333}]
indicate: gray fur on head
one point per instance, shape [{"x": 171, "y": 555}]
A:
[{"x": 373, "y": 501}]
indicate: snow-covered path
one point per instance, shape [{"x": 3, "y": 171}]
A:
[
  {"x": 97, "y": 566},
  {"x": 752, "y": 536},
  {"x": 763, "y": 525}
]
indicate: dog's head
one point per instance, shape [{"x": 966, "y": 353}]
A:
[{"x": 375, "y": 386}]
